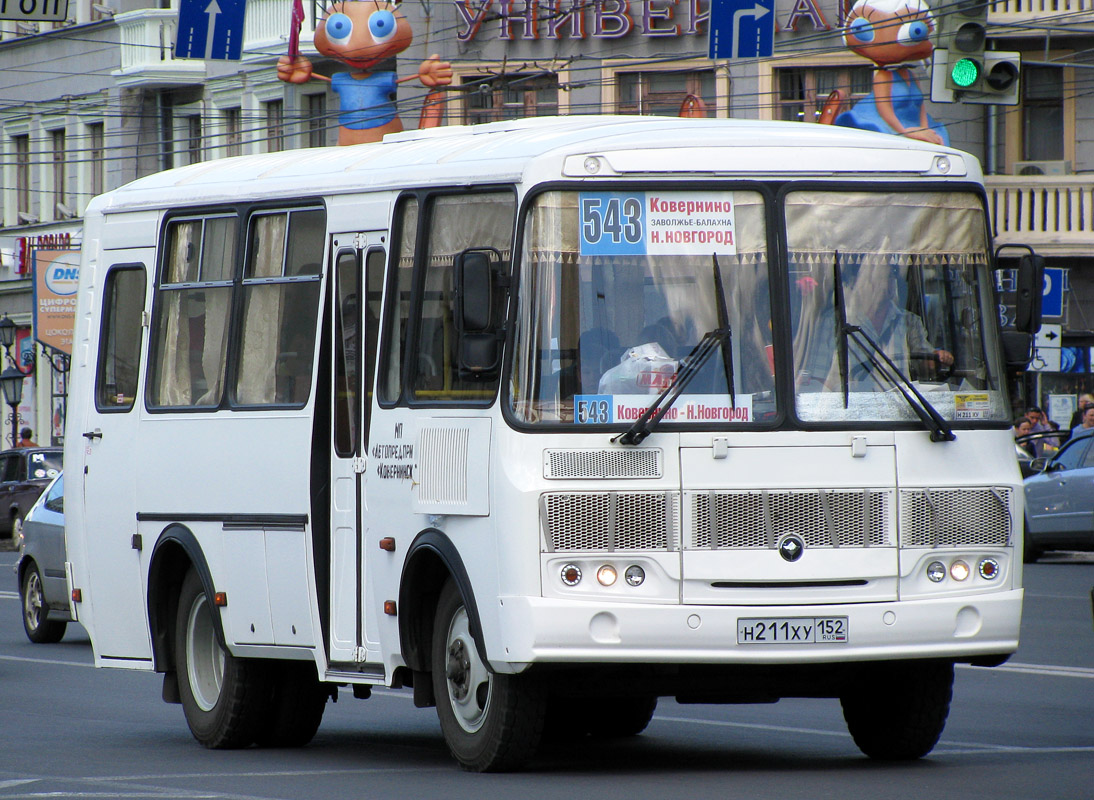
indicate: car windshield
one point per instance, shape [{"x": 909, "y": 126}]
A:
[
  {"x": 44, "y": 464},
  {"x": 618, "y": 288},
  {"x": 884, "y": 281}
]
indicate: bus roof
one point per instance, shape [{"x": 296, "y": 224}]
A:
[{"x": 543, "y": 148}]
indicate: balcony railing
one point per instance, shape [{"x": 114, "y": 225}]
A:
[
  {"x": 266, "y": 30},
  {"x": 148, "y": 51},
  {"x": 1054, "y": 215},
  {"x": 1062, "y": 12}
]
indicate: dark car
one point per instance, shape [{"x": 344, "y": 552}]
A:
[
  {"x": 40, "y": 570},
  {"x": 1060, "y": 501},
  {"x": 24, "y": 474}
]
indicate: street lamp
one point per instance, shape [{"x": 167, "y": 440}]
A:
[
  {"x": 7, "y": 334},
  {"x": 11, "y": 384}
]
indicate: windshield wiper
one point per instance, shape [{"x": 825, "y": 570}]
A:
[
  {"x": 693, "y": 362},
  {"x": 689, "y": 368},
  {"x": 935, "y": 423}
]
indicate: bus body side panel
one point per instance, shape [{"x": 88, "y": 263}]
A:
[{"x": 109, "y": 560}]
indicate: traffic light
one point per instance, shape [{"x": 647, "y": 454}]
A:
[
  {"x": 962, "y": 32},
  {"x": 997, "y": 77},
  {"x": 961, "y": 69}
]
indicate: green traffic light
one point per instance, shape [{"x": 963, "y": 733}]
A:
[{"x": 965, "y": 72}]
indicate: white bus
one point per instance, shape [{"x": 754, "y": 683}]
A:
[{"x": 546, "y": 420}]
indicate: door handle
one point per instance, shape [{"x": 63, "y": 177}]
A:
[{"x": 92, "y": 435}]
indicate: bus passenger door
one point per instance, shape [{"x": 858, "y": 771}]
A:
[
  {"x": 114, "y": 552},
  {"x": 358, "y": 283}
]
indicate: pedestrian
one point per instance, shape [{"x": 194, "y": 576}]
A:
[
  {"x": 25, "y": 439},
  {"x": 1085, "y": 399},
  {"x": 1022, "y": 428},
  {"x": 1038, "y": 423},
  {"x": 1086, "y": 427}
]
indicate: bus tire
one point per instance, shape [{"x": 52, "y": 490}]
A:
[
  {"x": 223, "y": 697},
  {"x": 491, "y": 722},
  {"x": 296, "y": 706},
  {"x": 896, "y": 712},
  {"x": 39, "y": 628}
]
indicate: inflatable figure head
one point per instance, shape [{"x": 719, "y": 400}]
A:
[
  {"x": 889, "y": 31},
  {"x": 362, "y": 33}
]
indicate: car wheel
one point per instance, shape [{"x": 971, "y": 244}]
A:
[
  {"x": 16, "y": 528},
  {"x": 490, "y": 722},
  {"x": 296, "y": 707},
  {"x": 896, "y": 712},
  {"x": 223, "y": 697},
  {"x": 39, "y": 627}
]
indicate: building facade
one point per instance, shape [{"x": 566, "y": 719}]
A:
[{"x": 100, "y": 99}]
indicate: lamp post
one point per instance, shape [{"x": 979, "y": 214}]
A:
[
  {"x": 11, "y": 384},
  {"x": 11, "y": 379}
]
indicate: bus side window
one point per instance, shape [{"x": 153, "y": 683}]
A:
[
  {"x": 479, "y": 221},
  {"x": 120, "y": 339},
  {"x": 280, "y": 307},
  {"x": 193, "y": 306}
]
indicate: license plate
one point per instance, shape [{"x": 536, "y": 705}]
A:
[{"x": 792, "y": 630}]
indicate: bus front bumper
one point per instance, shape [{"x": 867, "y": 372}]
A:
[{"x": 547, "y": 630}]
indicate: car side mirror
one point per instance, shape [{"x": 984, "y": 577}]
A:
[{"x": 1038, "y": 464}]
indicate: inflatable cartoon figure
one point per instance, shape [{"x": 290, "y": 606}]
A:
[
  {"x": 361, "y": 34},
  {"x": 891, "y": 33}
]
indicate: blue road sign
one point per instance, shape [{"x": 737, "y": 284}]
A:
[
  {"x": 210, "y": 29},
  {"x": 742, "y": 28},
  {"x": 1052, "y": 303}
]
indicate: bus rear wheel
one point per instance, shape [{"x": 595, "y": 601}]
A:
[
  {"x": 896, "y": 712},
  {"x": 296, "y": 705},
  {"x": 223, "y": 697},
  {"x": 491, "y": 722}
]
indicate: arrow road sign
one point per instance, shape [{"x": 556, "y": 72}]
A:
[
  {"x": 210, "y": 29},
  {"x": 742, "y": 28}
]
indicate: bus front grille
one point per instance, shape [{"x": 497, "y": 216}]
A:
[
  {"x": 760, "y": 518},
  {"x": 979, "y": 516},
  {"x": 610, "y": 521}
]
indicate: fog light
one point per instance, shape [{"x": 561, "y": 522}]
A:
[
  {"x": 606, "y": 575},
  {"x": 571, "y": 574},
  {"x": 936, "y": 571},
  {"x": 959, "y": 570},
  {"x": 635, "y": 575},
  {"x": 989, "y": 569}
]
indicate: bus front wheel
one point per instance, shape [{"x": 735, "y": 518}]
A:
[
  {"x": 490, "y": 722},
  {"x": 897, "y": 711},
  {"x": 223, "y": 697}
]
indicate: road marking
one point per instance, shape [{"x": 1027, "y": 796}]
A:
[
  {"x": 1047, "y": 670},
  {"x": 9, "y": 595}
]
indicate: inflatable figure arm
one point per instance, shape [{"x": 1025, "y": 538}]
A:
[
  {"x": 433, "y": 72},
  {"x": 296, "y": 70},
  {"x": 883, "y": 97}
]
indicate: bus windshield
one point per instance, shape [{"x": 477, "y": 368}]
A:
[
  {"x": 900, "y": 274},
  {"x": 610, "y": 309},
  {"x": 618, "y": 288}
]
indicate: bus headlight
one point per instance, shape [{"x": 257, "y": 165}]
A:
[
  {"x": 959, "y": 570},
  {"x": 635, "y": 575},
  {"x": 571, "y": 574},
  {"x": 989, "y": 569},
  {"x": 936, "y": 571},
  {"x": 606, "y": 575}
]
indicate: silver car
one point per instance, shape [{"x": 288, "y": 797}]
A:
[
  {"x": 1060, "y": 501},
  {"x": 41, "y": 567}
]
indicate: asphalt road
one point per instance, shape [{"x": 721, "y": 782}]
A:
[{"x": 1023, "y": 731}]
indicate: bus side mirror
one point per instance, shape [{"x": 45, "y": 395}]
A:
[
  {"x": 479, "y": 333},
  {"x": 1017, "y": 348},
  {"x": 1029, "y": 291}
]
